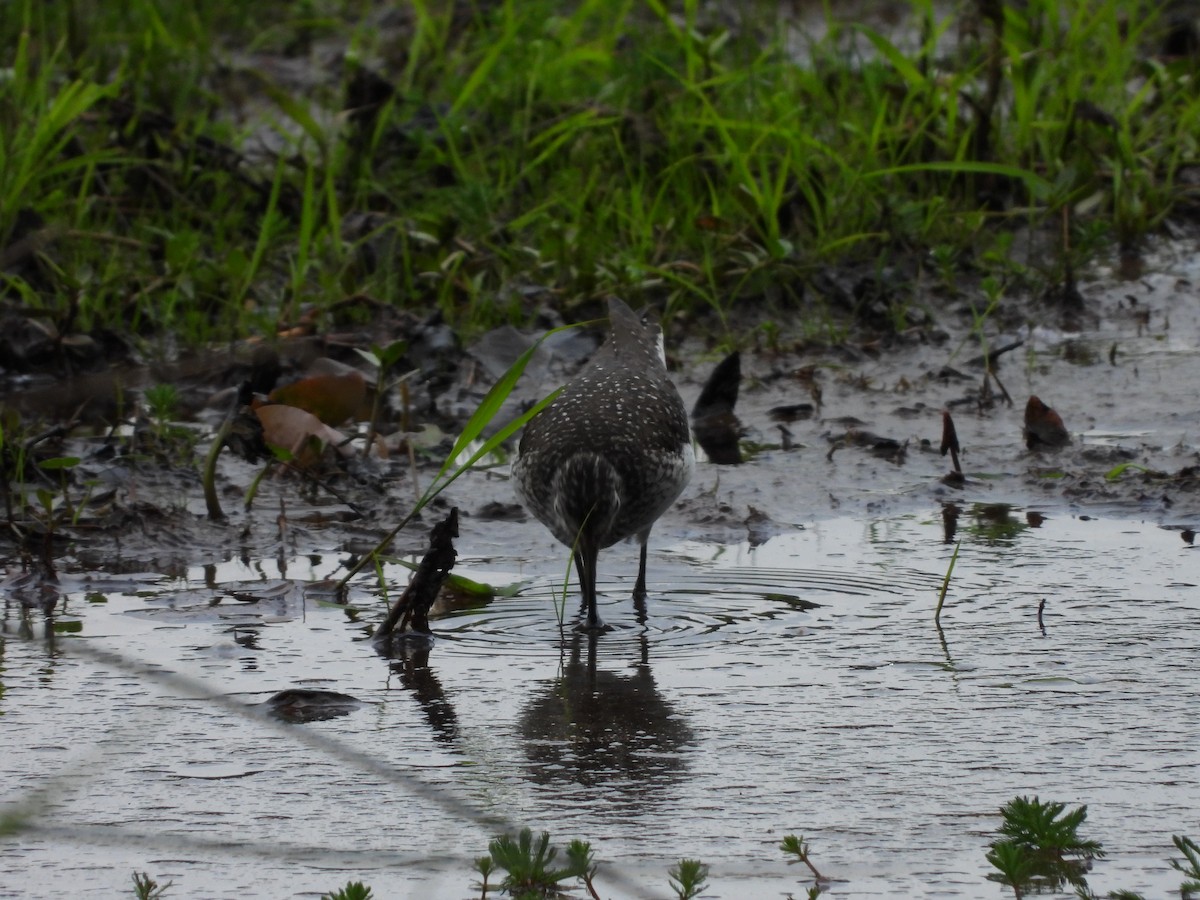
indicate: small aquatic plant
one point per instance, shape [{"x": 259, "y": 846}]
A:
[
  {"x": 799, "y": 848},
  {"x": 383, "y": 359},
  {"x": 162, "y": 403},
  {"x": 158, "y": 432},
  {"x": 354, "y": 890},
  {"x": 1013, "y": 865},
  {"x": 146, "y": 888},
  {"x": 1189, "y": 866},
  {"x": 937, "y": 613},
  {"x": 529, "y": 863},
  {"x": 689, "y": 878},
  {"x": 1040, "y": 846}
]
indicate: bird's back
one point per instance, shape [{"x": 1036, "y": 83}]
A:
[{"x": 622, "y": 412}]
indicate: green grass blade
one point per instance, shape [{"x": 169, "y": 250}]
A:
[
  {"x": 937, "y": 613},
  {"x": 898, "y": 61},
  {"x": 487, "y": 410},
  {"x": 483, "y": 71},
  {"x": 1117, "y": 471}
]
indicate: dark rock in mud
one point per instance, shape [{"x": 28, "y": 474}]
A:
[{"x": 301, "y": 705}]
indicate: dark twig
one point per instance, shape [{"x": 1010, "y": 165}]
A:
[
  {"x": 950, "y": 441},
  {"x": 991, "y": 358},
  {"x": 411, "y": 611},
  {"x": 991, "y": 373}
]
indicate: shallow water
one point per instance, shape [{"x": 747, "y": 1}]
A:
[{"x": 737, "y": 714}]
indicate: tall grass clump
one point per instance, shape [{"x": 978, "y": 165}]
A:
[{"x": 213, "y": 171}]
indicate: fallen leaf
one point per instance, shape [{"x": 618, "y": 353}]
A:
[
  {"x": 1044, "y": 427},
  {"x": 299, "y": 432},
  {"x": 333, "y": 398}
]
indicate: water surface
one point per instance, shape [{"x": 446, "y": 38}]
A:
[{"x": 738, "y": 713}]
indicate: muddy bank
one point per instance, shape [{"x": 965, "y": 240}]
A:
[{"x": 847, "y": 430}]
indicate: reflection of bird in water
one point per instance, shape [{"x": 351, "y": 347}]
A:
[
  {"x": 592, "y": 727},
  {"x": 611, "y": 453}
]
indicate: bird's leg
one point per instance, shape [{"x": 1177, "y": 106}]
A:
[
  {"x": 585, "y": 562},
  {"x": 639, "y": 608},
  {"x": 585, "y": 592},
  {"x": 639, "y": 587}
]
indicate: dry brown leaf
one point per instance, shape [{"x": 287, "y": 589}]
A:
[
  {"x": 332, "y": 398},
  {"x": 299, "y": 432}
]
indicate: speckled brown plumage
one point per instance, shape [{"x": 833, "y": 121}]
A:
[{"x": 611, "y": 453}]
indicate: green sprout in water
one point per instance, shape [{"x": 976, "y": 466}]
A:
[
  {"x": 529, "y": 863},
  {"x": 1040, "y": 846},
  {"x": 162, "y": 402},
  {"x": 1190, "y": 865},
  {"x": 165, "y": 437},
  {"x": 146, "y": 888},
  {"x": 383, "y": 359},
  {"x": 799, "y": 848},
  {"x": 937, "y": 613},
  {"x": 354, "y": 890},
  {"x": 689, "y": 878}
]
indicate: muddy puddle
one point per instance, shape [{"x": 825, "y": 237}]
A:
[{"x": 799, "y": 686}]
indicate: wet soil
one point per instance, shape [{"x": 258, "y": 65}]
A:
[{"x": 851, "y": 430}]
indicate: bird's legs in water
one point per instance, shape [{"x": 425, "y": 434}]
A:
[
  {"x": 639, "y": 587},
  {"x": 586, "y": 555},
  {"x": 585, "y": 564}
]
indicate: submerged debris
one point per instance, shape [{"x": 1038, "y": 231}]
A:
[
  {"x": 411, "y": 611},
  {"x": 300, "y": 705},
  {"x": 887, "y": 448},
  {"x": 791, "y": 412},
  {"x": 760, "y": 527}
]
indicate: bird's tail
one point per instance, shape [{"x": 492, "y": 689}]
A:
[{"x": 587, "y": 497}]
